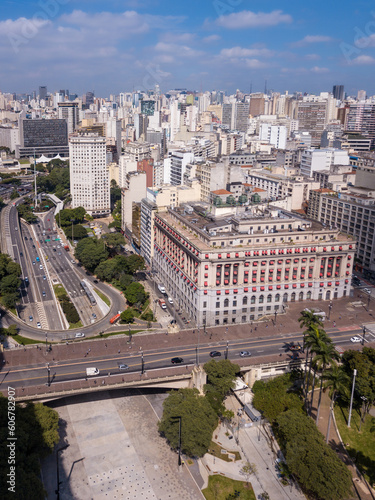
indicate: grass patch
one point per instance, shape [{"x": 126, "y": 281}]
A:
[
  {"x": 59, "y": 291},
  {"x": 24, "y": 341},
  {"x": 220, "y": 488},
  {"x": 133, "y": 332},
  {"x": 360, "y": 445},
  {"x": 215, "y": 450},
  {"x": 24, "y": 161},
  {"x": 103, "y": 297},
  {"x": 75, "y": 325}
]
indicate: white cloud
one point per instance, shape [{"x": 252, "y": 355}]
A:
[
  {"x": 243, "y": 52},
  {"x": 317, "y": 69},
  {"x": 178, "y": 37},
  {"x": 312, "y": 39},
  {"x": 363, "y": 61},
  {"x": 211, "y": 38},
  {"x": 364, "y": 42},
  {"x": 312, "y": 57},
  {"x": 248, "y": 19}
]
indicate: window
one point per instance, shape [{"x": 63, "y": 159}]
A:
[
  {"x": 226, "y": 303},
  {"x": 269, "y": 298},
  {"x": 244, "y": 300},
  {"x": 277, "y": 297},
  {"x": 217, "y": 305},
  {"x": 253, "y": 299},
  {"x": 261, "y": 299}
]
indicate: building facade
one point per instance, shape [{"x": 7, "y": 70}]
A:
[
  {"x": 243, "y": 268},
  {"x": 89, "y": 174}
]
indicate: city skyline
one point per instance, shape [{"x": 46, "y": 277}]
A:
[{"x": 223, "y": 44}]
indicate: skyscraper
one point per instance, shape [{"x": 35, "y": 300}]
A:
[
  {"x": 338, "y": 92},
  {"x": 43, "y": 93},
  {"x": 89, "y": 174},
  {"x": 69, "y": 112}
]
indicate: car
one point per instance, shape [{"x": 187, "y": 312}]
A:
[
  {"x": 21, "y": 254},
  {"x": 16, "y": 228},
  {"x": 59, "y": 253},
  {"x": 245, "y": 354},
  {"x": 356, "y": 339},
  {"x": 38, "y": 325},
  {"x": 26, "y": 279},
  {"x": 54, "y": 249},
  {"x": 58, "y": 246},
  {"x": 25, "y": 237},
  {"x": 44, "y": 278},
  {"x": 33, "y": 263},
  {"x": 294, "y": 347},
  {"x": 31, "y": 318},
  {"x": 44, "y": 293},
  {"x": 215, "y": 354},
  {"x": 93, "y": 315},
  {"x": 48, "y": 220},
  {"x": 170, "y": 300},
  {"x": 40, "y": 266},
  {"x": 176, "y": 361},
  {"x": 367, "y": 290},
  {"x": 72, "y": 261},
  {"x": 96, "y": 281},
  {"x": 33, "y": 246},
  {"x": 122, "y": 366},
  {"x": 79, "y": 335}
]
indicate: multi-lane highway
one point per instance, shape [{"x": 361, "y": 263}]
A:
[
  {"x": 45, "y": 263},
  {"x": 69, "y": 370}
]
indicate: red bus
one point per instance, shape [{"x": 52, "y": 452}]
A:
[{"x": 114, "y": 319}]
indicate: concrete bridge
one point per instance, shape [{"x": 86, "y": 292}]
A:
[{"x": 171, "y": 378}]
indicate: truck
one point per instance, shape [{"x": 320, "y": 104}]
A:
[
  {"x": 66, "y": 248},
  {"x": 162, "y": 304},
  {"x": 90, "y": 372},
  {"x": 162, "y": 289},
  {"x": 115, "y": 318}
]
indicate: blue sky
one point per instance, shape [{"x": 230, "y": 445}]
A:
[{"x": 117, "y": 46}]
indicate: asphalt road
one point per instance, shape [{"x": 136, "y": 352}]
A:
[{"x": 153, "y": 360}]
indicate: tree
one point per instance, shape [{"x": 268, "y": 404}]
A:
[
  {"x": 78, "y": 231},
  {"x": 315, "y": 337},
  {"x": 198, "y": 421},
  {"x": 90, "y": 253},
  {"x": 9, "y": 300},
  {"x": 247, "y": 470},
  {"x": 135, "y": 293},
  {"x": 316, "y": 466},
  {"x": 337, "y": 381},
  {"x": 327, "y": 355},
  {"x": 114, "y": 241},
  {"x": 364, "y": 363},
  {"x": 14, "y": 194},
  {"x": 9, "y": 284},
  {"x": 221, "y": 375},
  {"x": 125, "y": 280},
  {"x": 134, "y": 263},
  {"x": 128, "y": 315}
]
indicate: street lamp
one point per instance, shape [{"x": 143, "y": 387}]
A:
[
  {"x": 179, "y": 438},
  {"x": 368, "y": 301},
  {"x": 226, "y": 351},
  {"x": 142, "y": 364},
  {"x": 329, "y": 310},
  {"x": 72, "y": 220},
  {"x": 351, "y": 398},
  {"x": 46, "y": 342},
  {"x": 364, "y": 333},
  {"x": 362, "y": 416},
  {"x": 48, "y": 375},
  {"x": 275, "y": 316},
  {"x": 197, "y": 351},
  {"x": 57, "y": 470}
]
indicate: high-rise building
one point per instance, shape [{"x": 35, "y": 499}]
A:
[
  {"x": 69, "y": 112},
  {"x": 256, "y": 104},
  {"x": 42, "y": 137},
  {"x": 89, "y": 175},
  {"x": 89, "y": 98},
  {"x": 312, "y": 118},
  {"x": 361, "y": 118},
  {"x": 361, "y": 95},
  {"x": 43, "y": 93},
  {"x": 338, "y": 92}
]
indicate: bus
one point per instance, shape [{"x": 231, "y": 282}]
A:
[{"x": 115, "y": 318}]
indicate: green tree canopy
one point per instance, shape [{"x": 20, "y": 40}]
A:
[
  {"x": 128, "y": 315},
  {"x": 315, "y": 465},
  {"x": 114, "y": 241},
  {"x": 135, "y": 293},
  {"x": 273, "y": 397},
  {"x": 221, "y": 375},
  {"x": 364, "y": 363},
  {"x": 90, "y": 252},
  {"x": 198, "y": 421}
]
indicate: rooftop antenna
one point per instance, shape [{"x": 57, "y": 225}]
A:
[
  {"x": 265, "y": 87},
  {"x": 251, "y": 87}
]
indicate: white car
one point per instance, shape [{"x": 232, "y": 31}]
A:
[
  {"x": 79, "y": 335},
  {"x": 356, "y": 339},
  {"x": 39, "y": 325},
  {"x": 367, "y": 290},
  {"x": 170, "y": 300},
  {"x": 40, "y": 266}
]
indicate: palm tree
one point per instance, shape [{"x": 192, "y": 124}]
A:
[
  {"x": 307, "y": 319},
  {"x": 327, "y": 355},
  {"x": 337, "y": 381},
  {"x": 315, "y": 338}
]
